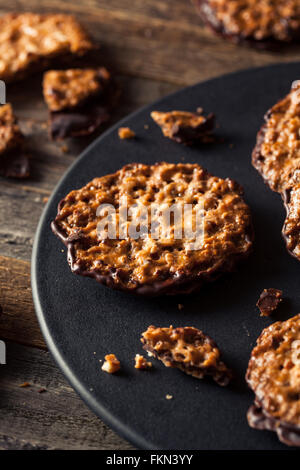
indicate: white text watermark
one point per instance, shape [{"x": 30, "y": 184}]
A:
[{"x": 155, "y": 221}]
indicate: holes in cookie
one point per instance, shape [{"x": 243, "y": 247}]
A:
[
  {"x": 211, "y": 228},
  {"x": 275, "y": 343},
  {"x": 294, "y": 396}
]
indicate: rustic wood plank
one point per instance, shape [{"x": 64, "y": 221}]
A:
[
  {"x": 55, "y": 419},
  {"x": 164, "y": 42},
  {"x": 20, "y": 208},
  {"x": 18, "y": 321}
]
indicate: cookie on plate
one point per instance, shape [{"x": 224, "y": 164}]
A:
[
  {"x": 184, "y": 127},
  {"x": 30, "y": 42},
  {"x": 274, "y": 376},
  {"x": 144, "y": 255},
  {"x": 187, "y": 349},
  {"x": 79, "y": 100},
  {"x": 14, "y": 162},
  {"x": 276, "y": 155},
  {"x": 258, "y": 23}
]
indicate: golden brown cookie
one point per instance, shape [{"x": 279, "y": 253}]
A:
[
  {"x": 274, "y": 376},
  {"x": 291, "y": 227},
  {"x": 29, "y": 42},
  {"x": 152, "y": 262},
  {"x": 258, "y": 23},
  {"x": 277, "y": 152},
  {"x": 187, "y": 349},
  {"x": 14, "y": 162}
]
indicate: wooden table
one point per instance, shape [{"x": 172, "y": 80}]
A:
[{"x": 154, "y": 47}]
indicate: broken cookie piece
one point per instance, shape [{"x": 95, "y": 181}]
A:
[
  {"x": 14, "y": 162},
  {"x": 111, "y": 364},
  {"x": 141, "y": 362},
  {"x": 30, "y": 42},
  {"x": 79, "y": 100},
  {"x": 268, "y": 301},
  {"x": 187, "y": 349},
  {"x": 184, "y": 127}
]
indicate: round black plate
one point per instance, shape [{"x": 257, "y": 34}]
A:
[{"x": 82, "y": 321}]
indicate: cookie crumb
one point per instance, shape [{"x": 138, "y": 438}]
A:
[
  {"x": 142, "y": 363},
  {"x": 25, "y": 385},
  {"x": 169, "y": 397},
  {"x": 125, "y": 133},
  {"x": 45, "y": 200},
  {"x": 184, "y": 127},
  {"x": 146, "y": 126},
  {"x": 180, "y": 306},
  {"x": 111, "y": 364}
]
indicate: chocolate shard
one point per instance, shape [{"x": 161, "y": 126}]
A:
[
  {"x": 268, "y": 301},
  {"x": 84, "y": 121},
  {"x": 253, "y": 23},
  {"x": 30, "y": 42},
  {"x": 153, "y": 265}
]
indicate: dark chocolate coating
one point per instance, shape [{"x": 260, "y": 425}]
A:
[
  {"x": 258, "y": 419},
  {"x": 14, "y": 164}
]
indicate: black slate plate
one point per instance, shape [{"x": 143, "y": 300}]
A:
[{"x": 79, "y": 317}]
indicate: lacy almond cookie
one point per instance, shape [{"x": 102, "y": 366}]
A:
[
  {"x": 145, "y": 262},
  {"x": 184, "y": 127},
  {"x": 258, "y": 23}
]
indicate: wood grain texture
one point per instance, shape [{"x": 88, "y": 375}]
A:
[
  {"x": 157, "y": 39},
  {"x": 55, "y": 419}
]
